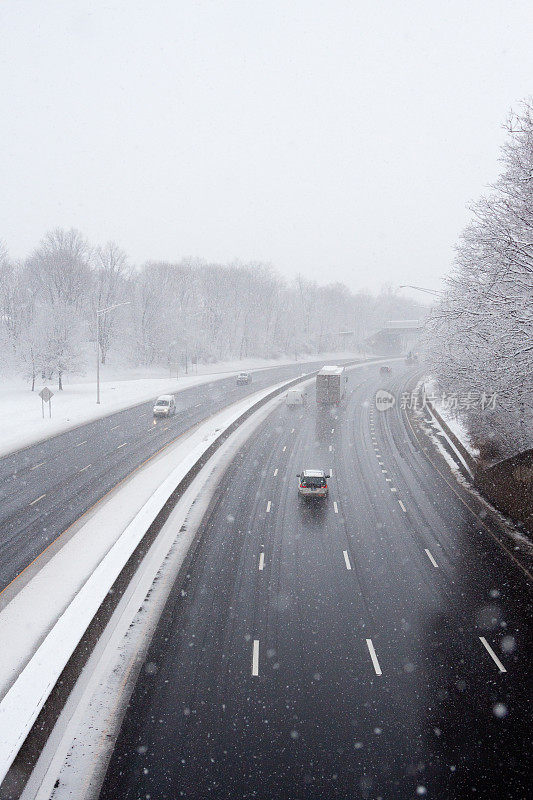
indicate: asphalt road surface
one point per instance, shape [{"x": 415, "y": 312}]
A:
[
  {"x": 48, "y": 486},
  {"x": 372, "y": 646}
]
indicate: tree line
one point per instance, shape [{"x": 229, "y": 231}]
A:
[
  {"x": 175, "y": 313},
  {"x": 480, "y": 334}
]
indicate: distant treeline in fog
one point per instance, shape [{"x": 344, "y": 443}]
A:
[
  {"x": 480, "y": 334},
  {"x": 177, "y": 313}
]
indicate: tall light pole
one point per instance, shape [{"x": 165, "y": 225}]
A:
[{"x": 98, "y": 312}]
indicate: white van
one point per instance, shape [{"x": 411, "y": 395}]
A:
[
  {"x": 165, "y": 406},
  {"x": 295, "y": 398}
]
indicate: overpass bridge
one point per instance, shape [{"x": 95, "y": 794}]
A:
[{"x": 396, "y": 337}]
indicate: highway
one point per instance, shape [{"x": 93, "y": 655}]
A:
[
  {"x": 372, "y": 646},
  {"x": 47, "y": 487}
]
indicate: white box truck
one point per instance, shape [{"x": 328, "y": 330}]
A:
[{"x": 330, "y": 385}]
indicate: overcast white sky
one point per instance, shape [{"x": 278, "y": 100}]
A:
[{"x": 340, "y": 139}]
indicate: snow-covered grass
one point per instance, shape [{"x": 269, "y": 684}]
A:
[{"x": 22, "y": 424}]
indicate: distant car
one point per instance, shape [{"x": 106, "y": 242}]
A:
[
  {"x": 165, "y": 406},
  {"x": 243, "y": 378},
  {"x": 385, "y": 370},
  {"x": 295, "y": 398},
  {"x": 313, "y": 483},
  {"x": 411, "y": 358}
]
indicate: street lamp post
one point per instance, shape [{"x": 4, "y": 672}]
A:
[{"x": 98, "y": 312}]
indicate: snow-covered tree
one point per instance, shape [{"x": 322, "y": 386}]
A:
[{"x": 480, "y": 335}]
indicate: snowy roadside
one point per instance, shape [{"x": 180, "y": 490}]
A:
[
  {"x": 22, "y": 424},
  {"x": 454, "y": 423},
  {"x": 460, "y": 470}
]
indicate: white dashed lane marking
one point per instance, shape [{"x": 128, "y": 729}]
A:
[
  {"x": 39, "y": 465},
  {"x": 431, "y": 557},
  {"x": 261, "y": 561},
  {"x": 374, "y": 657},
  {"x": 402, "y": 505},
  {"x": 84, "y": 468},
  {"x": 268, "y": 506},
  {"x": 80, "y": 443},
  {"x": 492, "y": 654},
  {"x": 37, "y": 500},
  {"x": 275, "y": 473},
  {"x": 346, "y": 559},
  {"x": 255, "y": 658},
  {"x": 335, "y": 507},
  {"x": 122, "y": 445}
]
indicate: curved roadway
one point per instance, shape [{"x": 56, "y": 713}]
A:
[{"x": 374, "y": 646}]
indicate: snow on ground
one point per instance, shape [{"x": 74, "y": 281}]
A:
[
  {"x": 22, "y": 423},
  {"x": 521, "y": 542},
  {"x": 455, "y": 424}
]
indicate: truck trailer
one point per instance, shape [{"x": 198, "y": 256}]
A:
[{"x": 330, "y": 385}]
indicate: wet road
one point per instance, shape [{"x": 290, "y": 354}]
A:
[
  {"x": 47, "y": 487},
  {"x": 373, "y": 646}
]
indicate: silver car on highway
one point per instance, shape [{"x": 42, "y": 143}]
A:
[{"x": 313, "y": 483}]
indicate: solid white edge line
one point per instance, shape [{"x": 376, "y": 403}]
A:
[
  {"x": 335, "y": 507},
  {"x": 346, "y": 559},
  {"x": 255, "y": 658},
  {"x": 402, "y": 505},
  {"x": 492, "y": 654},
  {"x": 268, "y": 506},
  {"x": 374, "y": 657},
  {"x": 261, "y": 561},
  {"x": 431, "y": 557}
]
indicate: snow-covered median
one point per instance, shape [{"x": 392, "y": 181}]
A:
[{"x": 77, "y": 578}]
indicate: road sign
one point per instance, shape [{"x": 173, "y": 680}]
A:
[{"x": 46, "y": 395}]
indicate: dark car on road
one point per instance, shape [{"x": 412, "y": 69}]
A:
[{"x": 243, "y": 378}]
